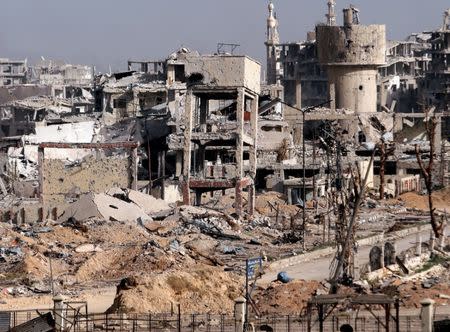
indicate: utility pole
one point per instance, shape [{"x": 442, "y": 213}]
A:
[
  {"x": 304, "y": 111},
  {"x": 382, "y": 168},
  {"x": 314, "y": 173},
  {"x": 303, "y": 182},
  {"x": 328, "y": 188}
]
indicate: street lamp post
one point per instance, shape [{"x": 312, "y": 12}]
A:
[{"x": 304, "y": 111}]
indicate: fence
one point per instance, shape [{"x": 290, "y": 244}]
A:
[{"x": 122, "y": 322}]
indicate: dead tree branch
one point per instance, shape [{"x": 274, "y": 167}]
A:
[{"x": 427, "y": 172}]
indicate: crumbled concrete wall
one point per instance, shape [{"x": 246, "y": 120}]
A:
[
  {"x": 26, "y": 189},
  {"x": 225, "y": 71},
  {"x": 357, "y": 44},
  {"x": 271, "y": 136},
  {"x": 92, "y": 175},
  {"x": 23, "y": 212}
]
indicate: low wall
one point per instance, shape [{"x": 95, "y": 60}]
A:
[{"x": 369, "y": 241}]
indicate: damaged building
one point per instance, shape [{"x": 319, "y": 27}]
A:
[
  {"x": 405, "y": 81},
  {"x": 203, "y": 129},
  {"x": 13, "y": 72}
]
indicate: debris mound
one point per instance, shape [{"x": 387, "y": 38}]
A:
[
  {"x": 290, "y": 298},
  {"x": 200, "y": 289}
]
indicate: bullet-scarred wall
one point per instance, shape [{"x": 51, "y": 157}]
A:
[
  {"x": 352, "y": 45},
  {"x": 356, "y": 88},
  {"x": 91, "y": 175}
]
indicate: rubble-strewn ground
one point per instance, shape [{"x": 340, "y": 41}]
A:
[
  {"x": 291, "y": 298},
  {"x": 189, "y": 255},
  {"x": 441, "y": 200}
]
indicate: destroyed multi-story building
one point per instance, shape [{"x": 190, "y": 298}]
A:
[
  {"x": 401, "y": 81},
  {"x": 130, "y": 94},
  {"x": 407, "y": 62},
  {"x": 219, "y": 137},
  {"x": 58, "y": 73},
  {"x": 55, "y": 92},
  {"x": 13, "y": 72},
  {"x": 294, "y": 66},
  {"x": 436, "y": 84},
  {"x": 438, "y": 76}
]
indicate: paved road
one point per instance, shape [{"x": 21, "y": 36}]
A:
[{"x": 319, "y": 269}]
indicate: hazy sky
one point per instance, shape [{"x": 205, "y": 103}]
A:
[{"x": 108, "y": 32}]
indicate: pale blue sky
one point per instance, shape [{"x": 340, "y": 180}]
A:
[{"x": 108, "y": 32}]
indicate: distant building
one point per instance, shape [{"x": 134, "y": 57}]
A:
[
  {"x": 406, "y": 65},
  {"x": 56, "y": 72},
  {"x": 13, "y": 72},
  {"x": 437, "y": 79},
  {"x": 295, "y": 66}
]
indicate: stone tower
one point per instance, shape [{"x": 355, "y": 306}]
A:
[{"x": 352, "y": 54}]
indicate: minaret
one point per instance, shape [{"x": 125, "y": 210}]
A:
[
  {"x": 446, "y": 25},
  {"x": 273, "y": 52},
  {"x": 331, "y": 16},
  {"x": 272, "y": 26}
]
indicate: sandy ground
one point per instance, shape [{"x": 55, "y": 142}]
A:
[{"x": 98, "y": 300}]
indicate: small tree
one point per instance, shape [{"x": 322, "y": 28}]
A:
[{"x": 427, "y": 171}]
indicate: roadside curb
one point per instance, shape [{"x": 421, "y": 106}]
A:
[{"x": 369, "y": 241}]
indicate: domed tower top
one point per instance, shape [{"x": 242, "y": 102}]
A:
[
  {"x": 331, "y": 16},
  {"x": 272, "y": 26}
]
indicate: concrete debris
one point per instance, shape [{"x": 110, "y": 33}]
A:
[
  {"x": 148, "y": 204},
  {"x": 85, "y": 248},
  {"x": 116, "y": 204},
  {"x": 111, "y": 208}
]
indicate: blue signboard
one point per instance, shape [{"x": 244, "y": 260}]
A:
[{"x": 254, "y": 266}]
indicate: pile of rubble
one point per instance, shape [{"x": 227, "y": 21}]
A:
[
  {"x": 290, "y": 298},
  {"x": 413, "y": 277},
  {"x": 103, "y": 238},
  {"x": 201, "y": 288}
]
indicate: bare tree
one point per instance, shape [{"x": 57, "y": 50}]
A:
[
  {"x": 431, "y": 123},
  {"x": 355, "y": 199}
]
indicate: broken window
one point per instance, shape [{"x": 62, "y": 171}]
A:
[
  {"x": 196, "y": 78},
  {"x": 5, "y": 130},
  {"x": 271, "y": 128},
  {"x": 179, "y": 74},
  {"x": 120, "y": 103}
]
